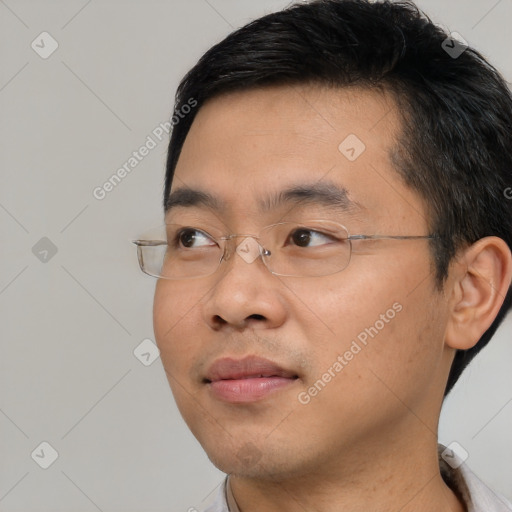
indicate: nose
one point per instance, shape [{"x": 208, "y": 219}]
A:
[{"x": 244, "y": 293}]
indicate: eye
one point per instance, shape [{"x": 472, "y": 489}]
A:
[
  {"x": 192, "y": 238},
  {"x": 305, "y": 237}
]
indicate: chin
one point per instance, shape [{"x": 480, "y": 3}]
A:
[{"x": 250, "y": 459}]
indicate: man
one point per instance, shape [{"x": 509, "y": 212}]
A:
[{"x": 337, "y": 250}]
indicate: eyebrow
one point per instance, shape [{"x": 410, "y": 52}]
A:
[{"x": 325, "y": 193}]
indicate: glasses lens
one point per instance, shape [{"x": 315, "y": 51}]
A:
[
  {"x": 151, "y": 258},
  {"x": 313, "y": 248},
  {"x": 183, "y": 252}
]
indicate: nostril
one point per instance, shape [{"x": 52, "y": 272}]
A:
[
  {"x": 218, "y": 320},
  {"x": 257, "y": 317}
]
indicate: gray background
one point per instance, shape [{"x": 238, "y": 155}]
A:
[{"x": 70, "y": 323}]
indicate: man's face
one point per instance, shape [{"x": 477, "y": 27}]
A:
[{"x": 381, "y": 318}]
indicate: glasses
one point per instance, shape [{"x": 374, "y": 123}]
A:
[{"x": 296, "y": 249}]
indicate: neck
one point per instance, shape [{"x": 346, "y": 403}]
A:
[{"x": 405, "y": 477}]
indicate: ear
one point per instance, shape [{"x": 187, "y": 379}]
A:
[{"x": 481, "y": 278}]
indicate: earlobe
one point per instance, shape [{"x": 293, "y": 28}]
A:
[{"x": 482, "y": 277}]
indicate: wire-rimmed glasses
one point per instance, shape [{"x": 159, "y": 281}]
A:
[{"x": 311, "y": 248}]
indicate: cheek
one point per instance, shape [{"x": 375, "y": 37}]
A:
[
  {"x": 174, "y": 321},
  {"x": 385, "y": 323},
  {"x": 386, "y": 369}
]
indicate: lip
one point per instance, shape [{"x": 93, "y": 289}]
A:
[{"x": 247, "y": 380}]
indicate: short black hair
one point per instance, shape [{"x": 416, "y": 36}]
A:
[{"x": 455, "y": 146}]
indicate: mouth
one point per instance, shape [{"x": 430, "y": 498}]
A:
[{"x": 247, "y": 380}]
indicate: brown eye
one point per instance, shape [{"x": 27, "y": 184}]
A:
[
  {"x": 306, "y": 237},
  {"x": 187, "y": 237},
  {"x": 191, "y": 238},
  {"x": 301, "y": 237}
]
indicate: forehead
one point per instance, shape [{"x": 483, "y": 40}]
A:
[{"x": 245, "y": 148}]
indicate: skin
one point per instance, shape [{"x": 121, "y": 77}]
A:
[{"x": 368, "y": 439}]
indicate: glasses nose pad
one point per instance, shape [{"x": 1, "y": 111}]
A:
[{"x": 228, "y": 250}]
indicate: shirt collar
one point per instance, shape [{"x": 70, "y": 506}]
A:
[{"x": 230, "y": 499}]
